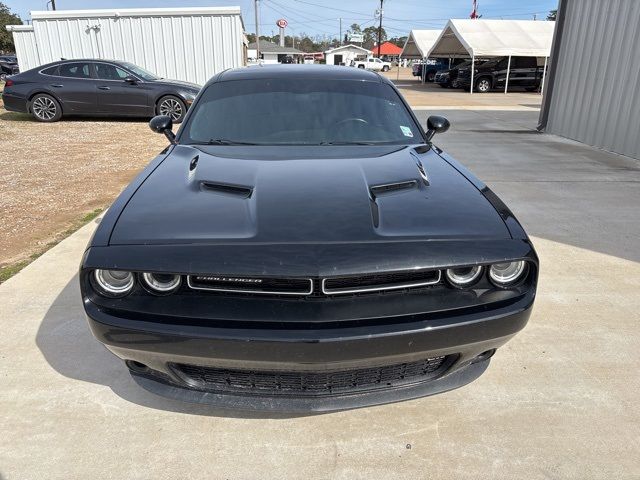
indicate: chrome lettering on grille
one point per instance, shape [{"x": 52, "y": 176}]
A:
[{"x": 230, "y": 279}]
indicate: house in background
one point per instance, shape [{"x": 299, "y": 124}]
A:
[
  {"x": 272, "y": 53},
  {"x": 345, "y": 54},
  {"x": 388, "y": 51}
]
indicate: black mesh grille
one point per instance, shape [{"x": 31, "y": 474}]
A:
[
  {"x": 381, "y": 281},
  {"x": 310, "y": 383},
  {"x": 275, "y": 286}
]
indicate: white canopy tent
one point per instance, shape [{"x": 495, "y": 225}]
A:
[
  {"x": 419, "y": 43},
  {"x": 495, "y": 38}
]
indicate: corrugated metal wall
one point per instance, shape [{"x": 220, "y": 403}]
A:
[
  {"x": 183, "y": 47},
  {"x": 595, "y": 96},
  {"x": 26, "y": 47}
]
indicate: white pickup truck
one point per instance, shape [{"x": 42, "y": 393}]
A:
[{"x": 371, "y": 63}]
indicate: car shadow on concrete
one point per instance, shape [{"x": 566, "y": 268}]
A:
[{"x": 69, "y": 347}]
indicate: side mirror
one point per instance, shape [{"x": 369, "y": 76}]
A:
[
  {"x": 163, "y": 124},
  {"x": 436, "y": 124},
  {"x": 131, "y": 79}
]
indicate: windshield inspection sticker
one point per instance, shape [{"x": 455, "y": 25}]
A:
[{"x": 406, "y": 131}]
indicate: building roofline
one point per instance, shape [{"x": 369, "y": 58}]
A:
[
  {"x": 135, "y": 12},
  {"x": 347, "y": 46},
  {"x": 19, "y": 28}
]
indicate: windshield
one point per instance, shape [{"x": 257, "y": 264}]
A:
[
  {"x": 140, "y": 72},
  {"x": 300, "y": 112}
]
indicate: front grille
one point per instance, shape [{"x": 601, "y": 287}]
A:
[
  {"x": 310, "y": 383},
  {"x": 353, "y": 284},
  {"x": 265, "y": 286},
  {"x": 379, "y": 282}
]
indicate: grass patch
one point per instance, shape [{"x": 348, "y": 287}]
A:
[{"x": 9, "y": 271}]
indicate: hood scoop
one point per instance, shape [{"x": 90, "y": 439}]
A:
[
  {"x": 377, "y": 190},
  {"x": 226, "y": 188}
]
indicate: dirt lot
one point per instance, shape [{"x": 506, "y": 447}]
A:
[{"x": 51, "y": 175}]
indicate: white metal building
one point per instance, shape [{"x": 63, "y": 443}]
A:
[
  {"x": 344, "y": 54},
  {"x": 189, "y": 44},
  {"x": 495, "y": 38},
  {"x": 592, "y": 93}
]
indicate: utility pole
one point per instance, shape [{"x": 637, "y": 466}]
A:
[
  {"x": 53, "y": 4},
  {"x": 340, "y": 30},
  {"x": 380, "y": 29},
  {"x": 257, "y": 31}
]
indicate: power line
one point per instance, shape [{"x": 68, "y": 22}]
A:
[{"x": 324, "y": 6}]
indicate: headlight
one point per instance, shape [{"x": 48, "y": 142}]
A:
[
  {"x": 113, "y": 283},
  {"x": 463, "y": 276},
  {"x": 161, "y": 283},
  {"x": 505, "y": 274}
]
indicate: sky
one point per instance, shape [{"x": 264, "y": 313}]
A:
[{"x": 321, "y": 17}]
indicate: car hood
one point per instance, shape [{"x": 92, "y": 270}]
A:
[
  {"x": 178, "y": 83},
  {"x": 333, "y": 195}
]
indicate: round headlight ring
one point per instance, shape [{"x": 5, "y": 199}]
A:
[
  {"x": 113, "y": 283},
  {"x": 161, "y": 283},
  {"x": 507, "y": 274},
  {"x": 462, "y": 277}
]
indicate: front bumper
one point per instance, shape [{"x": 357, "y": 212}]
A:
[{"x": 152, "y": 349}]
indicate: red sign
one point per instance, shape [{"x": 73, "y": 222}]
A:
[{"x": 282, "y": 23}]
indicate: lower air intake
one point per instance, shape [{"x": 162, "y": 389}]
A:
[{"x": 310, "y": 383}]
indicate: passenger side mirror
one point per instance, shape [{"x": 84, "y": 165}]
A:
[
  {"x": 163, "y": 124},
  {"x": 436, "y": 124},
  {"x": 131, "y": 79}
]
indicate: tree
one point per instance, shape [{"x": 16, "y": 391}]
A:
[
  {"x": 7, "y": 18},
  {"x": 355, "y": 28},
  {"x": 552, "y": 15},
  {"x": 371, "y": 37},
  {"x": 399, "y": 41}
]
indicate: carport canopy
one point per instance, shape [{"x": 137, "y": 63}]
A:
[
  {"x": 419, "y": 43},
  {"x": 494, "y": 38}
]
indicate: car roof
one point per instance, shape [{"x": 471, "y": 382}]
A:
[{"x": 298, "y": 71}]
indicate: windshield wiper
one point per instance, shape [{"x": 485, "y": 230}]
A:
[{"x": 225, "y": 141}]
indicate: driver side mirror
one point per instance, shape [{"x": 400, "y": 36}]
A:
[
  {"x": 131, "y": 79},
  {"x": 436, "y": 124},
  {"x": 163, "y": 124}
]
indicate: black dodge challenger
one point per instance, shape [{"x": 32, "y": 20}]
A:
[{"x": 301, "y": 245}]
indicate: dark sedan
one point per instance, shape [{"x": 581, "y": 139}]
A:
[
  {"x": 96, "y": 87},
  {"x": 301, "y": 245},
  {"x": 8, "y": 66}
]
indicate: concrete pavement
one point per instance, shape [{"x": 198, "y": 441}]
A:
[{"x": 559, "y": 401}]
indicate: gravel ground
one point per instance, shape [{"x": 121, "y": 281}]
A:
[{"x": 53, "y": 174}]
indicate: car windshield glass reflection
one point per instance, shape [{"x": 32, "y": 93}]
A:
[
  {"x": 297, "y": 112},
  {"x": 140, "y": 72}
]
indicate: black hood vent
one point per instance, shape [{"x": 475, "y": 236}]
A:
[
  {"x": 392, "y": 187},
  {"x": 238, "y": 190}
]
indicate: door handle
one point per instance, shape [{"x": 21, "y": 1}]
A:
[
  {"x": 103, "y": 88},
  {"x": 57, "y": 85}
]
